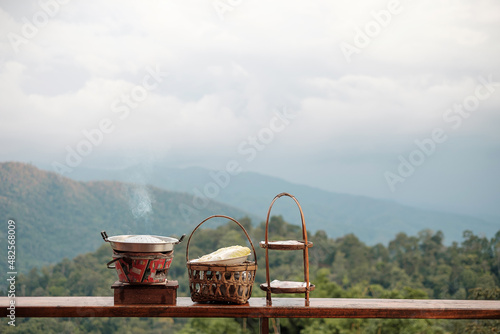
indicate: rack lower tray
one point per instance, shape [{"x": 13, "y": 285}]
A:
[{"x": 287, "y": 287}]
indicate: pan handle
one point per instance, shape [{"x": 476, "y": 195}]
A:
[
  {"x": 104, "y": 235},
  {"x": 180, "y": 239}
]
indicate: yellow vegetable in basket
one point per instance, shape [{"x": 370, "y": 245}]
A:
[{"x": 224, "y": 254}]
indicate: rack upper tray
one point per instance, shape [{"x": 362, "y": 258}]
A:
[{"x": 286, "y": 244}]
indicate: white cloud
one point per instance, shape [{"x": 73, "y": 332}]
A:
[{"x": 227, "y": 77}]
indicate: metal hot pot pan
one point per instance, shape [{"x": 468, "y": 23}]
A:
[{"x": 121, "y": 243}]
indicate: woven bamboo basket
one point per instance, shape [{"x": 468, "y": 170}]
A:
[{"x": 223, "y": 283}]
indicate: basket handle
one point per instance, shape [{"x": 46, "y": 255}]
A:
[{"x": 220, "y": 216}]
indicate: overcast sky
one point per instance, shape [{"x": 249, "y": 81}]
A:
[{"x": 389, "y": 99}]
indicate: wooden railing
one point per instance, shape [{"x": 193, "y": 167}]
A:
[{"x": 55, "y": 307}]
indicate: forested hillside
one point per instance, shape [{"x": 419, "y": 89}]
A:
[
  {"x": 57, "y": 217},
  {"x": 414, "y": 267}
]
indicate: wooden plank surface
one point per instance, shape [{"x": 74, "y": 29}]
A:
[{"x": 256, "y": 308}]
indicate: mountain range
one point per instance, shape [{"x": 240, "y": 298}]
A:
[
  {"x": 371, "y": 220},
  {"x": 58, "y": 217}
]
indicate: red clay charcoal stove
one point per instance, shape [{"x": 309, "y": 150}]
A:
[{"x": 142, "y": 263}]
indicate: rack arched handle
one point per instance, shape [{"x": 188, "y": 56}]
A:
[{"x": 304, "y": 231}]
